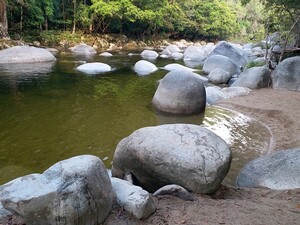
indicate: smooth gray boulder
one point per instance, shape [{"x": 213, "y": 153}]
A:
[
  {"x": 73, "y": 191},
  {"x": 219, "y": 76},
  {"x": 287, "y": 74},
  {"x": 83, "y": 49},
  {"x": 143, "y": 67},
  {"x": 194, "y": 53},
  {"x": 254, "y": 78},
  {"x": 177, "y": 55},
  {"x": 94, "y": 68},
  {"x": 180, "y": 92},
  {"x": 176, "y": 66},
  {"x": 25, "y": 54},
  {"x": 214, "y": 94},
  {"x": 173, "y": 49},
  {"x": 184, "y": 154},
  {"x": 237, "y": 55},
  {"x": 235, "y": 91},
  {"x": 133, "y": 198},
  {"x": 222, "y": 62},
  {"x": 280, "y": 171},
  {"x": 149, "y": 54}
]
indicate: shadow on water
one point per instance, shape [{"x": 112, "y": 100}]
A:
[{"x": 48, "y": 115}]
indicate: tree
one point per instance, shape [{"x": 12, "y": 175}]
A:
[
  {"x": 283, "y": 14},
  {"x": 3, "y": 20}
]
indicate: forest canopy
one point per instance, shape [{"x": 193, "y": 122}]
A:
[{"x": 192, "y": 19}]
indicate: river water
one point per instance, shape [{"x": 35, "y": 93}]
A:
[{"x": 50, "y": 112}]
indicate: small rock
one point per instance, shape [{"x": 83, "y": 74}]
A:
[{"x": 133, "y": 199}]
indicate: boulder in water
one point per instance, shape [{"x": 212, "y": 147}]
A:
[
  {"x": 144, "y": 67},
  {"x": 180, "y": 92},
  {"x": 83, "y": 49},
  {"x": 94, "y": 68},
  {"x": 25, "y": 54}
]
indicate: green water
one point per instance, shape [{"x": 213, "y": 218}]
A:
[{"x": 52, "y": 112}]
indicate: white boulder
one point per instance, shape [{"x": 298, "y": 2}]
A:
[
  {"x": 25, "y": 54},
  {"x": 94, "y": 68},
  {"x": 144, "y": 67}
]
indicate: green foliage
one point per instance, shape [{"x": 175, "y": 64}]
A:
[
  {"x": 255, "y": 64},
  {"x": 193, "y": 19}
]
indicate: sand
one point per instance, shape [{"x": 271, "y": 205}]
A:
[{"x": 280, "y": 112}]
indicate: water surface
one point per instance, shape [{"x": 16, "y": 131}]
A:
[{"x": 50, "y": 112}]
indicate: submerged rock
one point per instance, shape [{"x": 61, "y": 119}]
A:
[
  {"x": 94, "y": 68},
  {"x": 187, "y": 155},
  {"x": 73, "y": 191},
  {"x": 278, "y": 171},
  {"x": 106, "y": 54},
  {"x": 25, "y": 54},
  {"x": 180, "y": 92}
]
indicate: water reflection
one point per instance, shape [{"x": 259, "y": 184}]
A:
[
  {"x": 168, "y": 119},
  {"x": 26, "y": 69},
  {"x": 247, "y": 137}
]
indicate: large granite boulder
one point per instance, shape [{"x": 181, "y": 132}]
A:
[
  {"x": 143, "y": 67},
  {"x": 237, "y": 55},
  {"x": 287, "y": 74},
  {"x": 184, "y": 154},
  {"x": 254, "y": 78},
  {"x": 25, "y": 54},
  {"x": 74, "y": 191},
  {"x": 180, "y": 92},
  {"x": 94, "y": 68},
  {"x": 280, "y": 171},
  {"x": 83, "y": 49},
  {"x": 222, "y": 62},
  {"x": 133, "y": 198}
]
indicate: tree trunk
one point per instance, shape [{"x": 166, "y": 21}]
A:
[
  {"x": 3, "y": 20},
  {"x": 74, "y": 18}
]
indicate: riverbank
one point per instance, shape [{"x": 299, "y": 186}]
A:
[{"x": 278, "y": 110}]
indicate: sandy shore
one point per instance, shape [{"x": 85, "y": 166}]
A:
[{"x": 278, "y": 110}]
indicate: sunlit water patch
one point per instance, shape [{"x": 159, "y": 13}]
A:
[{"x": 50, "y": 113}]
